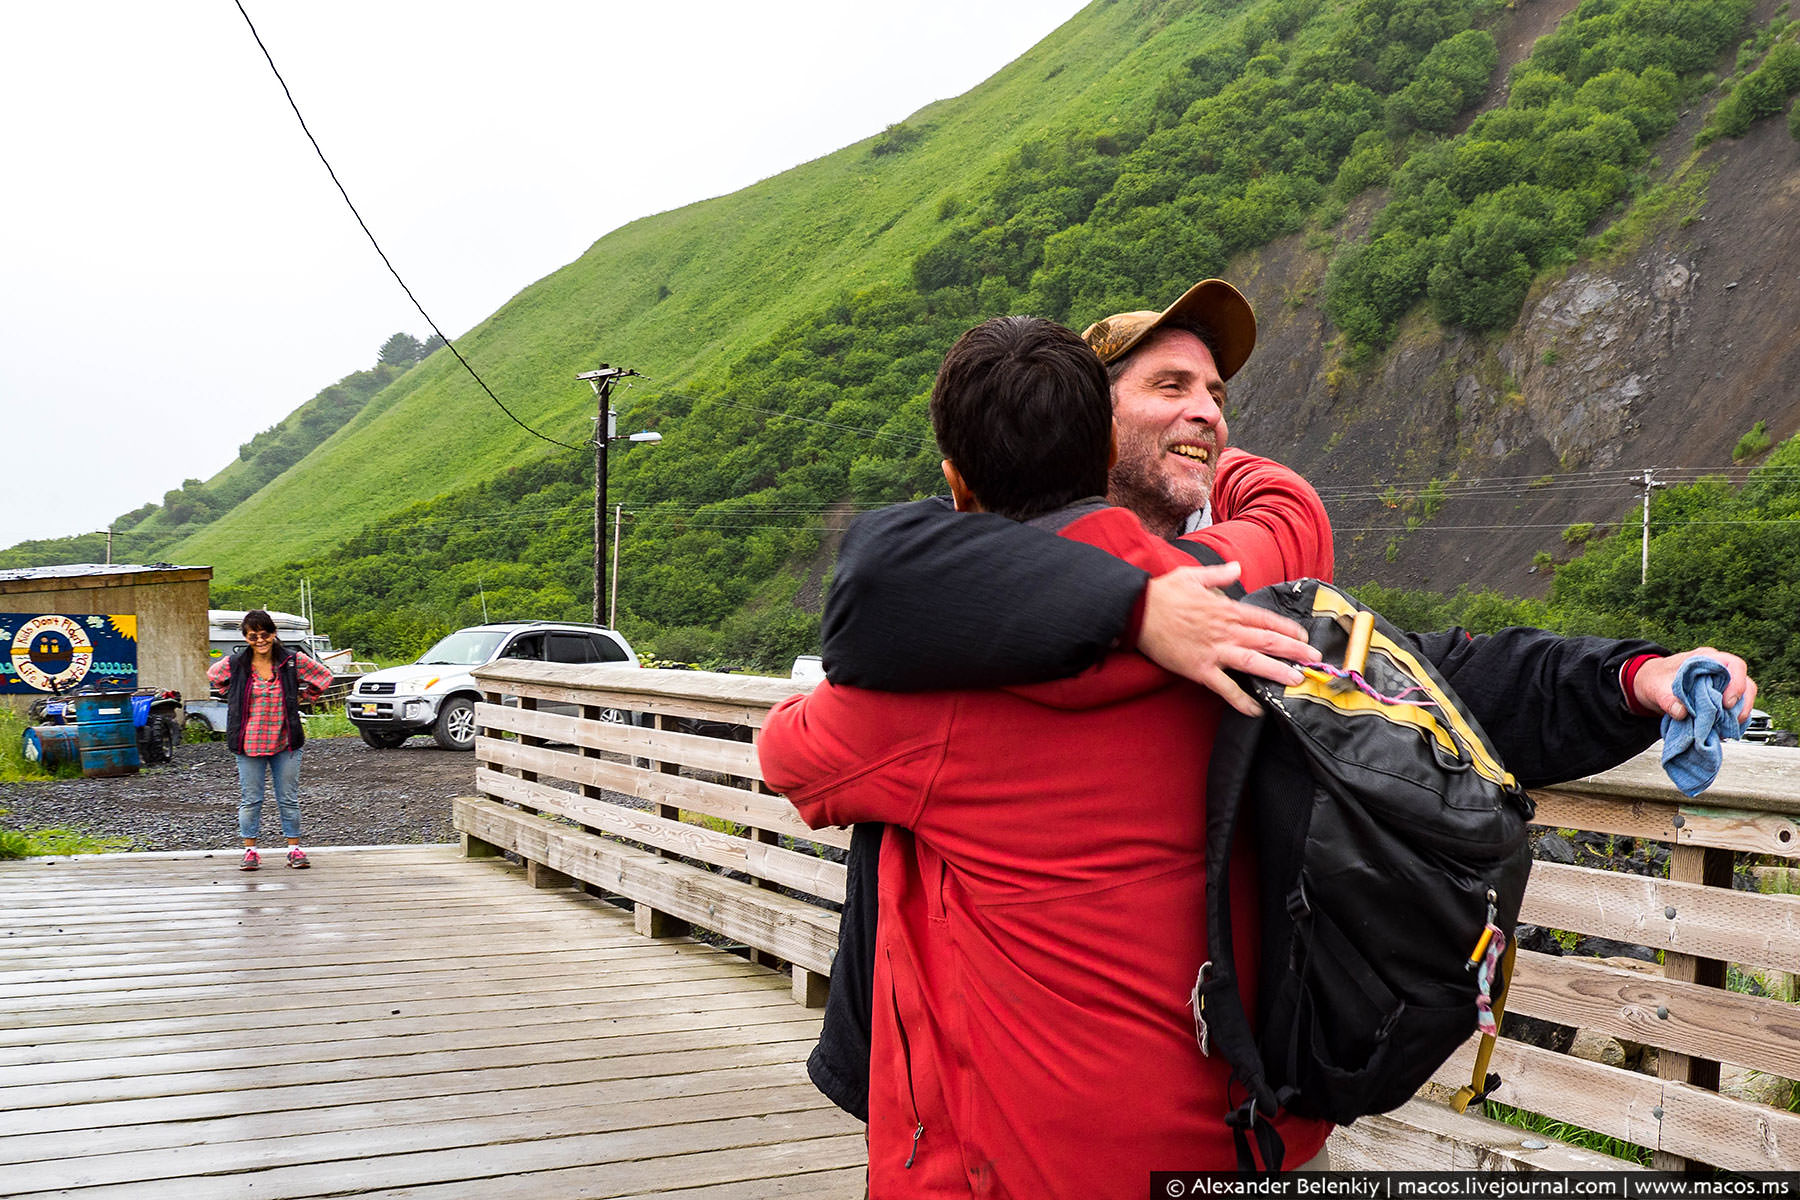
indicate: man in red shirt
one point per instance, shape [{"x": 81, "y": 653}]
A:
[{"x": 1042, "y": 892}]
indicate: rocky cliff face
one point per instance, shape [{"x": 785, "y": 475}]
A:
[{"x": 1663, "y": 356}]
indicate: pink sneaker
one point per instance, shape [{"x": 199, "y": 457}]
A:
[
  {"x": 252, "y": 860},
  {"x": 297, "y": 859}
]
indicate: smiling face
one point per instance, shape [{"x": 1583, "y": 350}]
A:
[{"x": 1168, "y": 410}]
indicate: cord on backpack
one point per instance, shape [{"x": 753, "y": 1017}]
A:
[{"x": 1481, "y": 1082}]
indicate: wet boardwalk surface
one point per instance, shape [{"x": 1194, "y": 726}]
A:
[{"x": 393, "y": 1022}]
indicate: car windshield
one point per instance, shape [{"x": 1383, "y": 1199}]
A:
[{"x": 464, "y": 648}]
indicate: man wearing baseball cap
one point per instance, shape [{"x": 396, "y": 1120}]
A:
[{"x": 924, "y": 598}]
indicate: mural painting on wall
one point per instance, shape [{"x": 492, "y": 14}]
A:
[{"x": 66, "y": 652}]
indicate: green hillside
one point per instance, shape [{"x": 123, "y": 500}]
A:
[
  {"x": 789, "y": 332},
  {"x": 678, "y": 296}
]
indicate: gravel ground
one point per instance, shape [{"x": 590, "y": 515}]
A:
[{"x": 350, "y": 795}]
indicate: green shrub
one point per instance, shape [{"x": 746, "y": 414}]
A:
[
  {"x": 895, "y": 138},
  {"x": 1579, "y": 533},
  {"x": 1752, "y": 443}
]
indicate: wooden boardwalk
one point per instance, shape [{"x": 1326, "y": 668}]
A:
[{"x": 394, "y": 1022}]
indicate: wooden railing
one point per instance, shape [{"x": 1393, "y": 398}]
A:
[
  {"x": 672, "y": 815},
  {"x": 665, "y": 808},
  {"x": 1701, "y": 926}
]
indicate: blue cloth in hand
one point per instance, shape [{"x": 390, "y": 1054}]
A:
[{"x": 1693, "y": 749}]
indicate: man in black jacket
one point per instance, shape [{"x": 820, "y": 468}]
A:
[{"x": 924, "y": 598}]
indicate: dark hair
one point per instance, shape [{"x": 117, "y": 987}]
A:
[
  {"x": 1022, "y": 408},
  {"x": 1207, "y": 337},
  {"x": 259, "y": 620}
]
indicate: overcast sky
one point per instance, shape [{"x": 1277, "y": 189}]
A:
[{"x": 177, "y": 271}]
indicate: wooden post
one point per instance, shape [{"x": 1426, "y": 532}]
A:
[
  {"x": 810, "y": 988},
  {"x": 1711, "y": 867},
  {"x": 652, "y": 922},
  {"x": 770, "y": 838},
  {"x": 539, "y": 876}
]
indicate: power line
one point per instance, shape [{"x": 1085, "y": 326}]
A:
[{"x": 448, "y": 344}]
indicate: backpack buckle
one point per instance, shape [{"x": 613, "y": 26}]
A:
[{"x": 1298, "y": 906}]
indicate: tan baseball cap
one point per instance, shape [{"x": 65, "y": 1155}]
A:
[{"x": 1211, "y": 304}]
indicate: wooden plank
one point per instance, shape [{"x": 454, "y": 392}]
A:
[
  {"x": 472, "y": 1030},
  {"x": 813, "y": 1185},
  {"x": 521, "y": 677},
  {"x": 692, "y": 750},
  {"x": 803, "y": 872},
  {"x": 744, "y": 807},
  {"x": 463, "y": 996},
  {"x": 773, "y": 1170},
  {"x": 285, "y": 1088},
  {"x": 1661, "y": 1114},
  {"x": 1755, "y": 778},
  {"x": 1683, "y": 824},
  {"x": 724, "y": 711},
  {"x": 459, "y": 1050},
  {"x": 275, "y": 979},
  {"x": 1422, "y": 1135},
  {"x": 1635, "y": 1006},
  {"x": 497, "y": 1159},
  {"x": 686, "y": 1053},
  {"x": 1686, "y": 918},
  {"x": 798, "y": 932},
  {"x": 340, "y": 1150},
  {"x": 167, "y": 1136},
  {"x": 403, "y": 1021},
  {"x": 841, "y": 1184}
]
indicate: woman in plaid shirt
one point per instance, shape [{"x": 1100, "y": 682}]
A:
[{"x": 264, "y": 685}]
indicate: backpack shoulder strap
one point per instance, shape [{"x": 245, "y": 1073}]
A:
[{"x": 1206, "y": 556}]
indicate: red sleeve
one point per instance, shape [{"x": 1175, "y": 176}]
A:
[
  {"x": 844, "y": 755},
  {"x": 1269, "y": 519},
  {"x": 219, "y": 674},
  {"x": 315, "y": 678}
]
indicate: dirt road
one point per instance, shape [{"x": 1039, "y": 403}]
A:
[{"x": 350, "y": 795}]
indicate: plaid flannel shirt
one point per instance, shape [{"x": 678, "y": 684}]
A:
[{"x": 265, "y": 729}]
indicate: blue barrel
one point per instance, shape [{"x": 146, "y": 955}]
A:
[
  {"x": 106, "y": 735},
  {"x": 51, "y": 746}
]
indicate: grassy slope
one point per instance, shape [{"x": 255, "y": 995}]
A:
[{"x": 737, "y": 268}]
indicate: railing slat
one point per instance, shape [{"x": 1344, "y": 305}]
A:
[
  {"x": 704, "y": 753},
  {"x": 799, "y": 932},
  {"x": 1694, "y": 1123},
  {"x": 1686, "y": 918},
  {"x": 1708, "y": 1022},
  {"x": 1679, "y": 824},
  {"x": 803, "y": 872},
  {"x": 713, "y": 799}
]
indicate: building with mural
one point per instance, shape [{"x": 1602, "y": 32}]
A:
[{"x": 92, "y": 625}]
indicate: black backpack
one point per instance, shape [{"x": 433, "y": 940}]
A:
[{"x": 1392, "y": 858}]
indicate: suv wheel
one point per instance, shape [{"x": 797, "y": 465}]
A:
[
  {"x": 455, "y": 728},
  {"x": 382, "y": 739}
]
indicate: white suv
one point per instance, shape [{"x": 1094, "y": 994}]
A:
[{"x": 437, "y": 695}]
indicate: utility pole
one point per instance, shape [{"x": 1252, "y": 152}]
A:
[
  {"x": 1648, "y": 479},
  {"x": 605, "y": 433},
  {"x": 109, "y": 545}
]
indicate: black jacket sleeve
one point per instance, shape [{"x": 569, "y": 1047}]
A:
[
  {"x": 1552, "y": 705},
  {"x": 927, "y": 598}
]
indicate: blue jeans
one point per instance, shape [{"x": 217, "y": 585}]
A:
[{"x": 284, "y": 769}]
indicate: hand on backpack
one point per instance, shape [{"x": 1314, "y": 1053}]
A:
[
  {"x": 1653, "y": 688},
  {"x": 1194, "y": 630}
]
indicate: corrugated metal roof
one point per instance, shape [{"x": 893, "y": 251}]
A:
[{"x": 84, "y": 570}]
